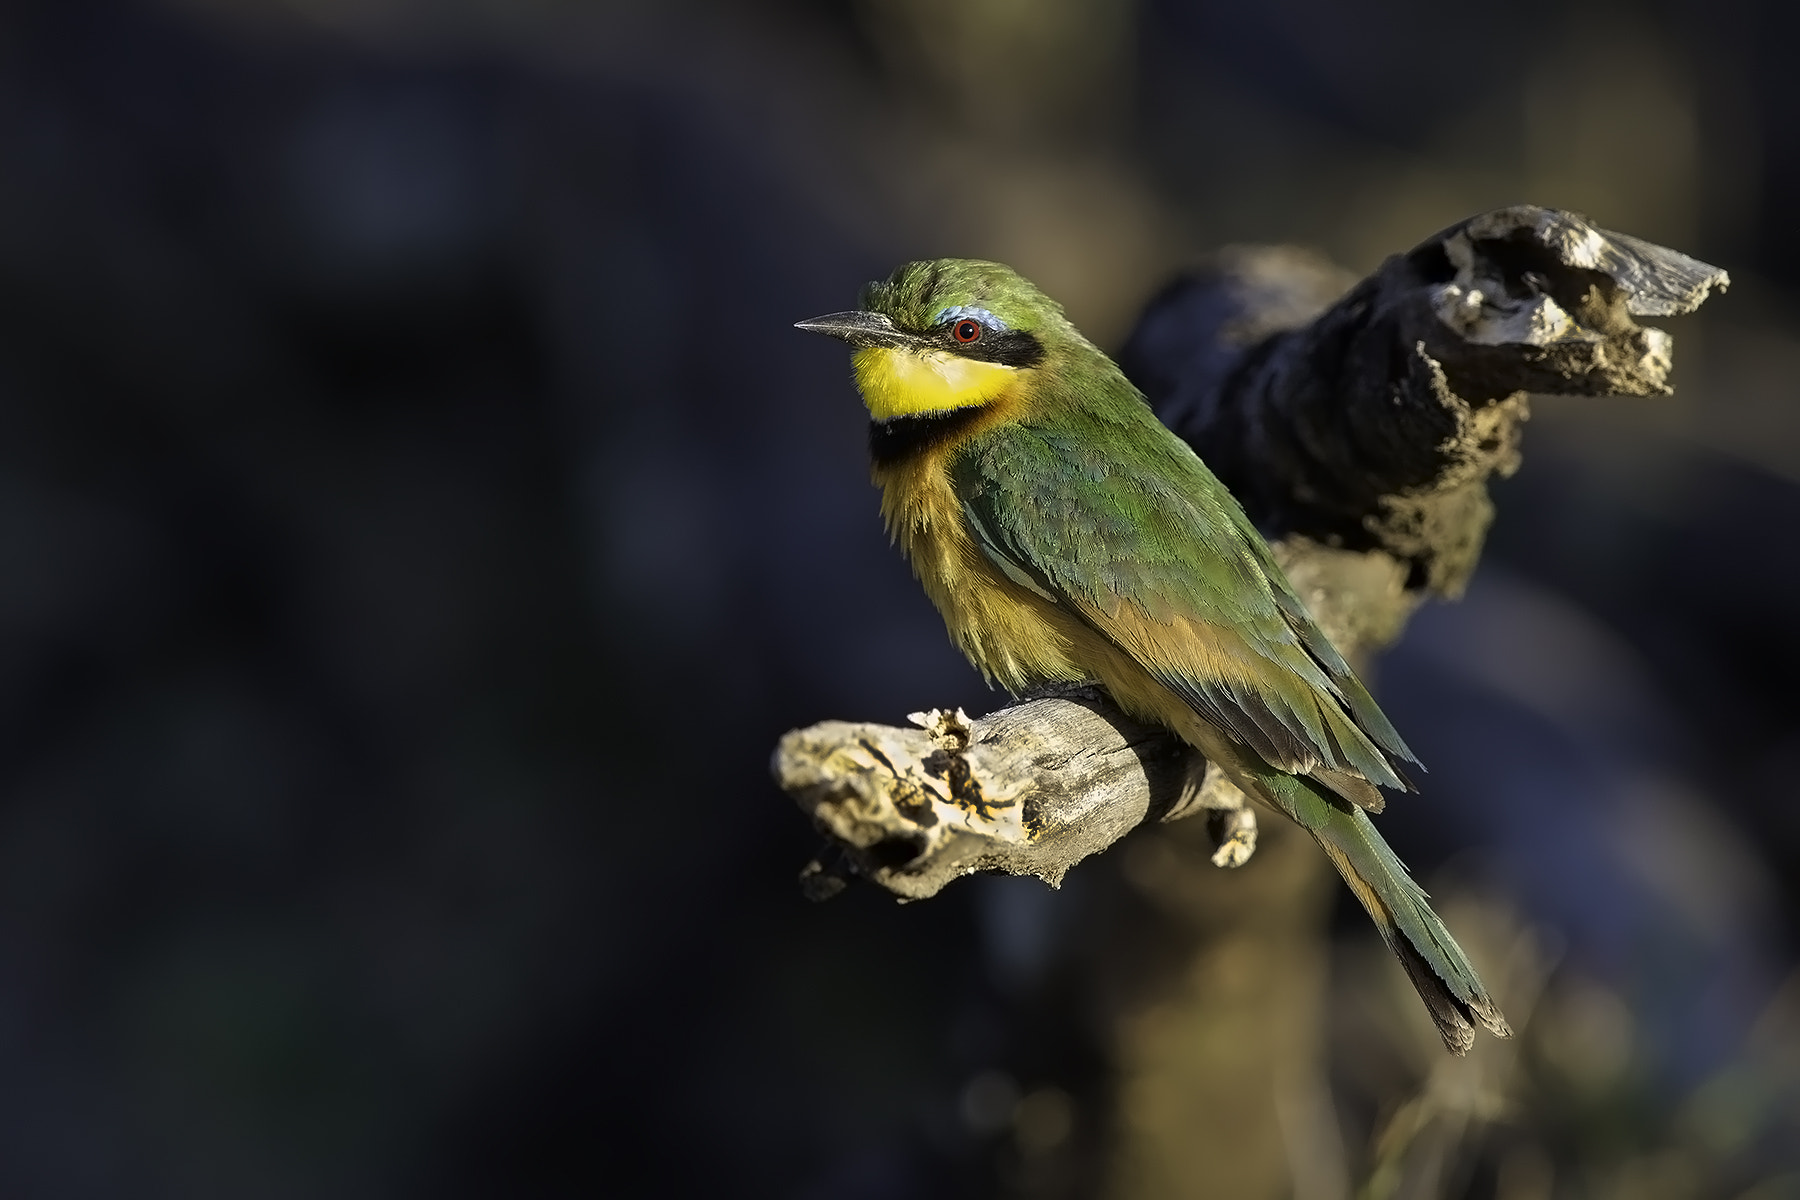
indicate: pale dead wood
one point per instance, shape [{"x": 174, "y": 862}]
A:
[{"x": 1030, "y": 790}]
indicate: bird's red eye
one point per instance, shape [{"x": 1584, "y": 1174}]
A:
[{"x": 966, "y": 330}]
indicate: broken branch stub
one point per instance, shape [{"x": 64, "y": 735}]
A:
[
  {"x": 1359, "y": 426},
  {"x": 1374, "y": 418},
  {"x": 1029, "y": 790}
]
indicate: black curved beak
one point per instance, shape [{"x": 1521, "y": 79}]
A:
[{"x": 861, "y": 329}]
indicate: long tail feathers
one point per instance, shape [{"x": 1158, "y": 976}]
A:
[{"x": 1439, "y": 969}]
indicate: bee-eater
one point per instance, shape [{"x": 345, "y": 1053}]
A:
[{"x": 1066, "y": 535}]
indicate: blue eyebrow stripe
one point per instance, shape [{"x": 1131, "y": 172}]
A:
[{"x": 968, "y": 310}]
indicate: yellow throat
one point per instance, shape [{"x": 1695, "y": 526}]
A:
[{"x": 901, "y": 383}]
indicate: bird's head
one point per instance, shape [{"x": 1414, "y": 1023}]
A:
[{"x": 946, "y": 334}]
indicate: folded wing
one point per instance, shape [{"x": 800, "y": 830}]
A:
[{"x": 1160, "y": 559}]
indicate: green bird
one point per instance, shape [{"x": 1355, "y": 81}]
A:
[{"x": 1066, "y": 535}]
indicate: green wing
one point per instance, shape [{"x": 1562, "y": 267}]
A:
[{"x": 1115, "y": 517}]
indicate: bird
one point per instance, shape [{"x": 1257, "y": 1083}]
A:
[{"x": 1066, "y": 535}]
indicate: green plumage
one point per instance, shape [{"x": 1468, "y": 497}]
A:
[
  {"x": 1101, "y": 505},
  {"x": 1437, "y": 966},
  {"x": 1107, "y": 534}
]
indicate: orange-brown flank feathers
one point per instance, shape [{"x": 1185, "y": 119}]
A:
[
  {"x": 1012, "y": 635},
  {"x": 1015, "y": 635}
]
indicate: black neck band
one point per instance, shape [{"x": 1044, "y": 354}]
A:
[{"x": 901, "y": 438}]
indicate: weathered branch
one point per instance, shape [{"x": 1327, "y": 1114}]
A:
[
  {"x": 1359, "y": 427},
  {"x": 1030, "y": 790},
  {"x": 1374, "y": 424}
]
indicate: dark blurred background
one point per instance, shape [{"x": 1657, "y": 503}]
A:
[{"x": 418, "y": 521}]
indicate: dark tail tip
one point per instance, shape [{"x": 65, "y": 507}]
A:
[{"x": 1454, "y": 1015}]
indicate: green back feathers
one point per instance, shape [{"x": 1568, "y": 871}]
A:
[{"x": 1107, "y": 512}]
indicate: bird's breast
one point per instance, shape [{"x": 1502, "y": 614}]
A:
[{"x": 1014, "y": 636}]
